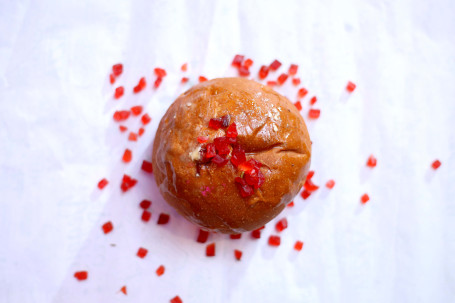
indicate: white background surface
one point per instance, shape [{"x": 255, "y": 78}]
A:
[{"x": 57, "y": 140}]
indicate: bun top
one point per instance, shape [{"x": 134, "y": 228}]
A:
[{"x": 270, "y": 130}]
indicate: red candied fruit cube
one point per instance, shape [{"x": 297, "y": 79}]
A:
[
  {"x": 132, "y": 136},
  {"x": 305, "y": 194},
  {"x": 365, "y": 198},
  {"x": 282, "y": 78},
  {"x": 141, "y": 131},
  {"x": 140, "y": 86},
  {"x": 202, "y": 139},
  {"x": 310, "y": 174},
  {"x": 256, "y": 234},
  {"x": 238, "y": 155},
  {"x": 293, "y": 69},
  {"x": 123, "y": 128},
  {"x": 298, "y": 105},
  {"x": 157, "y": 82},
  {"x": 147, "y": 166},
  {"x": 111, "y": 78},
  {"x": 163, "y": 219},
  {"x": 302, "y": 92},
  {"x": 296, "y": 81},
  {"x": 202, "y": 236},
  {"x": 184, "y": 67},
  {"x": 290, "y": 204},
  {"x": 102, "y": 184},
  {"x": 202, "y": 79},
  {"x": 274, "y": 241},
  {"x": 210, "y": 250},
  {"x": 310, "y": 186},
  {"x": 275, "y": 65},
  {"x": 184, "y": 80},
  {"x": 245, "y": 189},
  {"x": 298, "y": 245},
  {"x": 238, "y": 254},
  {"x": 248, "y": 63},
  {"x": 119, "y": 92},
  {"x": 225, "y": 120},
  {"x": 176, "y": 299},
  {"x": 371, "y": 162},
  {"x": 127, "y": 183},
  {"x": 237, "y": 61},
  {"x": 136, "y": 110},
  {"x": 211, "y": 151},
  {"x": 215, "y": 123},
  {"x": 330, "y": 184},
  {"x": 235, "y": 236},
  {"x": 146, "y": 215},
  {"x": 313, "y": 100},
  {"x": 142, "y": 252},
  {"x": 222, "y": 145},
  {"x": 160, "y": 271},
  {"x": 121, "y": 115},
  {"x": 219, "y": 160},
  {"x": 281, "y": 225},
  {"x": 243, "y": 71},
  {"x": 254, "y": 178},
  {"x": 145, "y": 204},
  {"x": 117, "y": 69},
  {"x": 123, "y": 289},
  {"x": 146, "y": 119},
  {"x": 350, "y": 87},
  {"x": 435, "y": 165},
  {"x": 263, "y": 72},
  {"x": 127, "y": 156},
  {"x": 271, "y": 83},
  {"x": 81, "y": 275},
  {"x": 107, "y": 227},
  {"x": 314, "y": 113},
  {"x": 160, "y": 72}
]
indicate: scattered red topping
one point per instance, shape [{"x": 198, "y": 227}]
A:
[
  {"x": 202, "y": 79},
  {"x": 210, "y": 250},
  {"x": 310, "y": 186},
  {"x": 160, "y": 72},
  {"x": 117, "y": 69},
  {"x": 298, "y": 105},
  {"x": 202, "y": 139},
  {"x": 157, "y": 82},
  {"x": 314, "y": 113},
  {"x": 225, "y": 120},
  {"x": 140, "y": 86},
  {"x": 146, "y": 215},
  {"x": 275, "y": 65},
  {"x": 350, "y": 87},
  {"x": 184, "y": 80},
  {"x": 215, "y": 123},
  {"x": 147, "y": 166},
  {"x": 256, "y": 233},
  {"x": 330, "y": 184},
  {"x": 254, "y": 178},
  {"x": 238, "y": 155},
  {"x": 282, "y": 78},
  {"x": 290, "y": 204},
  {"x": 127, "y": 156},
  {"x": 371, "y": 162},
  {"x": 238, "y": 254},
  {"x": 298, "y": 245},
  {"x": 211, "y": 151},
  {"x": 436, "y": 164},
  {"x": 184, "y": 67},
  {"x": 121, "y": 115},
  {"x": 313, "y": 100},
  {"x": 219, "y": 160},
  {"x": 365, "y": 198},
  {"x": 146, "y": 119},
  {"x": 119, "y": 92},
  {"x": 142, "y": 252},
  {"x": 202, "y": 236},
  {"x": 281, "y": 225},
  {"x": 293, "y": 69},
  {"x": 248, "y": 63},
  {"x": 176, "y": 299},
  {"x": 160, "y": 270},
  {"x": 81, "y": 275},
  {"x": 263, "y": 72},
  {"x": 305, "y": 194},
  {"x": 222, "y": 145},
  {"x": 102, "y": 184},
  {"x": 237, "y": 62},
  {"x": 141, "y": 131},
  {"x": 136, "y": 110},
  {"x": 296, "y": 81},
  {"x": 302, "y": 92},
  {"x": 145, "y": 204},
  {"x": 107, "y": 227},
  {"x": 243, "y": 71},
  {"x": 111, "y": 78},
  {"x": 235, "y": 237},
  {"x": 245, "y": 189},
  {"x": 127, "y": 183},
  {"x": 123, "y": 128},
  {"x": 271, "y": 83},
  {"x": 310, "y": 174},
  {"x": 132, "y": 136},
  {"x": 123, "y": 289},
  {"x": 163, "y": 219},
  {"x": 274, "y": 241}
]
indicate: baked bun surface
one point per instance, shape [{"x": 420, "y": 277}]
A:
[{"x": 270, "y": 130}]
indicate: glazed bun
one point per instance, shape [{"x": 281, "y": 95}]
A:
[{"x": 225, "y": 193}]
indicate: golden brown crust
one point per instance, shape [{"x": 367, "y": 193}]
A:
[{"x": 270, "y": 128}]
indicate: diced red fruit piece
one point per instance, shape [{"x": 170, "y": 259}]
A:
[
  {"x": 146, "y": 215},
  {"x": 202, "y": 79},
  {"x": 302, "y": 92},
  {"x": 136, "y": 110},
  {"x": 330, "y": 184},
  {"x": 235, "y": 236},
  {"x": 210, "y": 250},
  {"x": 184, "y": 80},
  {"x": 256, "y": 233},
  {"x": 176, "y": 299},
  {"x": 290, "y": 204},
  {"x": 371, "y": 162},
  {"x": 142, "y": 252},
  {"x": 243, "y": 71},
  {"x": 146, "y": 119},
  {"x": 157, "y": 82},
  {"x": 210, "y": 151},
  {"x": 310, "y": 174},
  {"x": 119, "y": 92},
  {"x": 159, "y": 72},
  {"x": 245, "y": 189},
  {"x": 254, "y": 178},
  {"x": 163, "y": 219},
  {"x": 121, "y": 115},
  {"x": 298, "y": 245},
  {"x": 237, "y": 61},
  {"x": 263, "y": 72},
  {"x": 123, "y": 128},
  {"x": 296, "y": 81},
  {"x": 350, "y": 87},
  {"x": 298, "y": 105},
  {"x": 117, "y": 69},
  {"x": 111, "y": 78},
  {"x": 123, "y": 290},
  {"x": 238, "y": 254},
  {"x": 202, "y": 139},
  {"x": 238, "y": 155},
  {"x": 102, "y": 183},
  {"x": 222, "y": 145},
  {"x": 107, "y": 227},
  {"x": 202, "y": 236},
  {"x": 282, "y": 78},
  {"x": 140, "y": 86},
  {"x": 225, "y": 120},
  {"x": 293, "y": 69},
  {"x": 248, "y": 63},
  {"x": 141, "y": 131},
  {"x": 246, "y": 166},
  {"x": 127, "y": 183},
  {"x": 184, "y": 67},
  {"x": 147, "y": 166},
  {"x": 310, "y": 186},
  {"x": 145, "y": 204},
  {"x": 313, "y": 100},
  {"x": 365, "y": 198},
  {"x": 305, "y": 194},
  {"x": 281, "y": 225},
  {"x": 271, "y": 83},
  {"x": 132, "y": 136},
  {"x": 215, "y": 123},
  {"x": 127, "y": 156},
  {"x": 274, "y": 241},
  {"x": 81, "y": 275},
  {"x": 435, "y": 165},
  {"x": 160, "y": 270},
  {"x": 314, "y": 113},
  {"x": 220, "y": 161},
  {"x": 275, "y": 65}
]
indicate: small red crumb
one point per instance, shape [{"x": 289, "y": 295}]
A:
[
  {"x": 238, "y": 254},
  {"x": 146, "y": 119},
  {"x": 281, "y": 225},
  {"x": 121, "y": 115},
  {"x": 202, "y": 139},
  {"x": 184, "y": 67},
  {"x": 256, "y": 233},
  {"x": 365, "y": 198},
  {"x": 176, "y": 299},
  {"x": 293, "y": 69},
  {"x": 296, "y": 81},
  {"x": 310, "y": 174},
  {"x": 202, "y": 79},
  {"x": 140, "y": 86},
  {"x": 127, "y": 183},
  {"x": 132, "y": 136},
  {"x": 298, "y": 245},
  {"x": 117, "y": 69},
  {"x": 141, "y": 131},
  {"x": 330, "y": 184},
  {"x": 263, "y": 72},
  {"x": 146, "y": 215},
  {"x": 298, "y": 105},
  {"x": 235, "y": 236},
  {"x": 243, "y": 71},
  {"x": 160, "y": 72},
  {"x": 111, "y": 78},
  {"x": 142, "y": 252},
  {"x": 157, "y": 82},
  {"x": 102, "y": 184},
  {"x": 302, "y": 92},
  {"x": 136, "y": 110},
  {"x": 282, "y": 78},
  {"x": 123, "y": 128},
  {"x": 107, "y": 227},
  {"x": 163, "y": 219},
  {"x": 184, "y": 80},
  {"x": 127, "y": 156},
  {"x": 145, "y": 204},
  {"x": 371, "y": 162},
  {"x": 119, "y": 92},
  {"x": 350, "y": 87},
  {"x": 313, "y": 100},
  {"x": 123, "y": 290},
  {"x": 271, "y": 83},
  {"x": 305, "y": 194},
  {"x": 436, "y": 164},
  {"x": 202, "y": 236},
  {"x": 237, "y": 61},
  {"x": 147, "y": 166},
  {"x": 274, "y": 241},
  {"x": 290, "y": 204},
  {"x": 314, "y": 113},
  {"x": 310, "y": 186},
  {"x": 275, "y": 65},
  {"x": 81, "y": 275},
  {"x": 160, "y": 270},
  {"x": 210, "y": 250}
]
